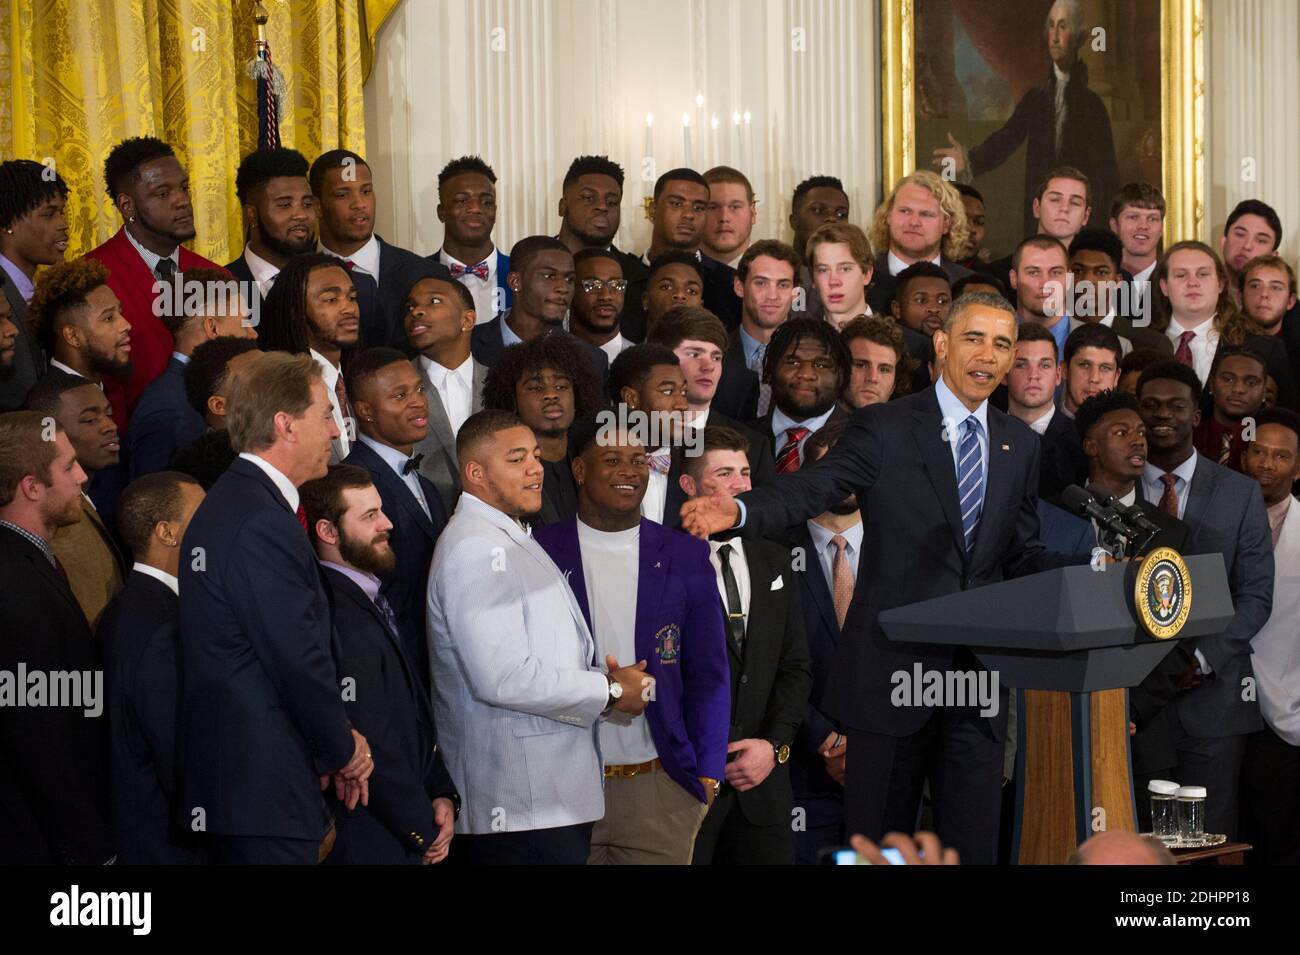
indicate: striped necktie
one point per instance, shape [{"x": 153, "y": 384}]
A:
[{"x": 970, "y": 480}]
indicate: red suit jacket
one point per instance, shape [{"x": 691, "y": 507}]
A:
[{"x": 151, "y": 343}]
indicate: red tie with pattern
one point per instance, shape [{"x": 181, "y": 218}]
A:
[
  {"x": 1183, "y": 354},
  {"x": 480, "y": 270},
  {"x": 1169, "y": 499},
  {"x": 302, "y": 516},
  {"x": 787, "y": 459}
]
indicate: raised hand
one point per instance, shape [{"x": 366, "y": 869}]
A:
[
  {"x": 955, "y": 152},
  {"x": 703, "y": 516}
]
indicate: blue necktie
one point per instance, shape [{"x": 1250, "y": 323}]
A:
[
  {"x": 387, "y": 610},
  {"x": 970, "y": 480}
]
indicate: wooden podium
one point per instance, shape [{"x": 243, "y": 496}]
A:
[{"x": 1069, "y": 643}]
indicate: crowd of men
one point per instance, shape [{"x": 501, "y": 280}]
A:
[{"x": 577, "y": 555}]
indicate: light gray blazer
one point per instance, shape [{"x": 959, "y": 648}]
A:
[
  {"x": 439, "y": 444},
  {"x": 516, "y": 695}
]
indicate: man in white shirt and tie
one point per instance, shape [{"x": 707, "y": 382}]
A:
[{"x": 467, "y": 207}]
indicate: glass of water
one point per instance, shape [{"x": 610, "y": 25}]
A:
[
  {"x": 1164, "y": 809},
  {"x": 1191, "y": 813}
]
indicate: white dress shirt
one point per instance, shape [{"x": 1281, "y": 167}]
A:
[
  {"x": 616, "y": 346},
  {"x": 739, "y": 569},
  {"x": 162, "y": 576},
  {"x": 611, "y": 567},
  {"x": 60, "y": 366},
  {"x": 454, "y": 386},
  {"x": 396, "y": 460},
  {"x": 826, "y": 550},
  {"x": 656, "y": 495},
  {"x": 282, "y": 483},
  {"x": 364, "y": 259},
  {"x": 330, "y": 374},
  {"x": 484, "y": 291},
  {"x": 152, "y": 259},
  {"x": 1203, "y": 345},
  {"x": 1039, "y": 424},
  {"x": 264, "y": 272},
  {"x": 897, "y": 265}
]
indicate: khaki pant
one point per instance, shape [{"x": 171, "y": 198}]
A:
[{"x": 649, "y": 820}]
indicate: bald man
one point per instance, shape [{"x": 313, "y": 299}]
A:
[{"x": 1118, "y": 847}]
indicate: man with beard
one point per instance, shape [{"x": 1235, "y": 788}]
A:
[
  {"x": 467, "y": 207},
  {"x": 313, "y": 310},
  {"x": 1064, "y": 122},
  {"x": 412, "y": 814},
  {"x": 256, "y": 640},
  {"x": 548, "y": 384},
  {"x": 33, "y": 232},
  {"x": 1200, "y": 731},
  {"x": 680, "y": 210},
  {"x": 54, "y": 785},
  {"x": 590, "y": 209},
  {"x": 1237, "y": 394},
  {"x": 345, "y": 197},
  {"x": 825, "y": 591},
  {"x": 808, "y": 366},
  {"x": 646, "y": 593},
  {"x": 79, "y": 322},
  {"x": 598, "y": 300},
  {"x": 733, "y": 210},
  {"x": 517, "y": 695},
  {"x": 543, "y": 279},
  {"x": 392, "y": 417},
  {"x": 151, "y": 191},
  {"x": 87, "y": 549}
]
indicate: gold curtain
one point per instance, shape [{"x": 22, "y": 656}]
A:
[{"x": 81, "y": 75}]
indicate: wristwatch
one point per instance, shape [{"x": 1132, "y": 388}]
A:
[
  {"x": 781, "y": 751},
  {"x": 615, "y": 693},
  {"x": 714, "y": 784}
]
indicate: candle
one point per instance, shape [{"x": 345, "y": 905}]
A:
[
  {"x": 749, "y": 143},
  {"x": 735, "y": 138},
  {"x": 715, "y": 156},
  {"x": 686, "y": 139},
  {"x": 648, "y": 168}
]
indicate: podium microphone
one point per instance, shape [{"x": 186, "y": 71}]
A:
[
  {"x": 1080, "y": 502},
  {"x": 1130, "y": 513}
]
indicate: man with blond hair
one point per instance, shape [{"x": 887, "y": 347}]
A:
[
  {"x": 733, "y": 210},
  {"x": 922, "y": 220},
  {"x": 262, "y": 726}
]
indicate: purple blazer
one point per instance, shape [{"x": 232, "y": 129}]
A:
[{"x": 680, "y": 633}]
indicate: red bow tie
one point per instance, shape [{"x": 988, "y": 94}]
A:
[{"x": 481, "y": 270}]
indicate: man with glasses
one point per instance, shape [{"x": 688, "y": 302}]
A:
[{"x": 598, "y": 300}]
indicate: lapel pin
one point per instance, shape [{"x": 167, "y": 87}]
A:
[{"x": 657, "y": 565}]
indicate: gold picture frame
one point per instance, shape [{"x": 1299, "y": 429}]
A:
[{"x": 1182, "y": 106}]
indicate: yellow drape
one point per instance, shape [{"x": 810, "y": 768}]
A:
[{"x": 80, "y": 75}]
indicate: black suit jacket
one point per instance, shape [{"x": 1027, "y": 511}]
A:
[
  {"x": 399, "y": 270},
  {"x": 761, "y": 466},
  {"x": 1278, "y": 363},
  {"x": 894, "y": 457},
  {"x": 486, "y": 343},
  {"x": 163, "y": 422},
  {"x": 763, "y": 426},
  {"x": 374, "y": 329},
  {"x": 718, "y": 296},
  {"x": 391, "y": 709},
  {"x": 29, "y": 359},
  {"x": 1063, "y": 461},
  {"x": 881, "y": 291},
  {"x": 771, "y": 675},
  {"x": 53, "y": 759},
  {"x": 413, "y": 537},
  {"x": 140, "y": 635},
  {"x": 261, "y": 718},
  {"x": 737, "y": 392}
]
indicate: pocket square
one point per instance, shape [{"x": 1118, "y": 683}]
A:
[{"x": 777, "y": 584}]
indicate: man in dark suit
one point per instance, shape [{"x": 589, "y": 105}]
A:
[
  {"x": 541, "y": 277},
  {"x": 647, "y": 595},
  {"x": 392, "y": 417},
  {"x": 412, "y": 814},
  {"x": 53, "y": 766},
  {"x": 925, "y": 221},
  {"x": 765, "y": 282},
  {"x": 911, "y": 462},
  {"x": 752, "y": 821},
  {"x": 1115, "y": 300},
  {"x": 344, "y": 190},
  {"x": 831, "y": 547},
  {"x": 467, "y": 207},
  {"x": 1064, "y": 122},
  {"x": 600, "y": 290},
  {"x": 808, "y": 365},
  {"x": 164, "y": 420},
  {"x": 33, "y": 232},
  {"x": 678, "y": 216},
  {"x": 1199, "y": 736},
  {"x": 1062, "y": 204},
  {"x": 590, "y": 209},
  {"x": 262, "y": 726},
  {"x": 439, "y": 319},
  {"x": 1137, "y": 217},
  {"x": 139, "y": 633}
]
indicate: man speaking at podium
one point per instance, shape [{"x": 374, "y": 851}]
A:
[{"x": 948, "y": 487}]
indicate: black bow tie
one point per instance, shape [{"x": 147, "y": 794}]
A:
[{"x": 412, "y": 463}]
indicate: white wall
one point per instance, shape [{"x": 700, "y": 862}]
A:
[
  {"x": 579, "y": 76},
  {"x": 1253, "y": 111}
]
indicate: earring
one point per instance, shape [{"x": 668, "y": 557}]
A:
[
  {"x": 9, "y": 231},
  {"x": 130, "y": 218}
]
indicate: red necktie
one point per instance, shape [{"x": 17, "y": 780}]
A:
[
  {"x": 302, "y": 516},
  {"x": 1183, "y": 354},
  {"x": 1169, "y": 500},
  {"x": 787, "y": 459},
  {"x": 481, "y": 270}
]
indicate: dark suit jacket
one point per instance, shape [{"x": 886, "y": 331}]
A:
[
  {"x": 559, "y": 494},
  {"x": 140, "y": 633},
  {"x": 718, "y": 296},
  {"x": 1063, "y": 461},
  {"x": 29, "y": 360},
  {"x": 676, "y": 598},
  {"x": 486, "y": 343},
  {"x": 762, "y": 466},
  {"x": 771, "y": 675},
  {"x": 412, "y": 538},
  {"x": 1142, "y": 336},
  {"x": 1278, "y": 363},
  {"x": 1225, "y": 514},
  {"x": 261, "y": 718},
  {"x": 391, "y": 709},
  {"x": 894, "y": 457},
  {"x": 373, "y": 322},
  {"x": 737, "y": 392},
  {"x": 1087, "y": 143},
  {"x": 763, "y": 426},
  {"x": 399, "y": 270},
  {"x": 881, "y": 291},
  {"x": 164, "y": 421},
  {"x": 53, "y": 759},
  {"x": 1062, "y": 532}
]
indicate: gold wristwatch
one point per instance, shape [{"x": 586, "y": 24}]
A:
[
  {"x": 714, "y": 784},
  {"x": 781, "y": 751}
]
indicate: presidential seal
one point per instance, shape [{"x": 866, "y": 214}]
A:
[{"x": 1163, "y": 594}]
